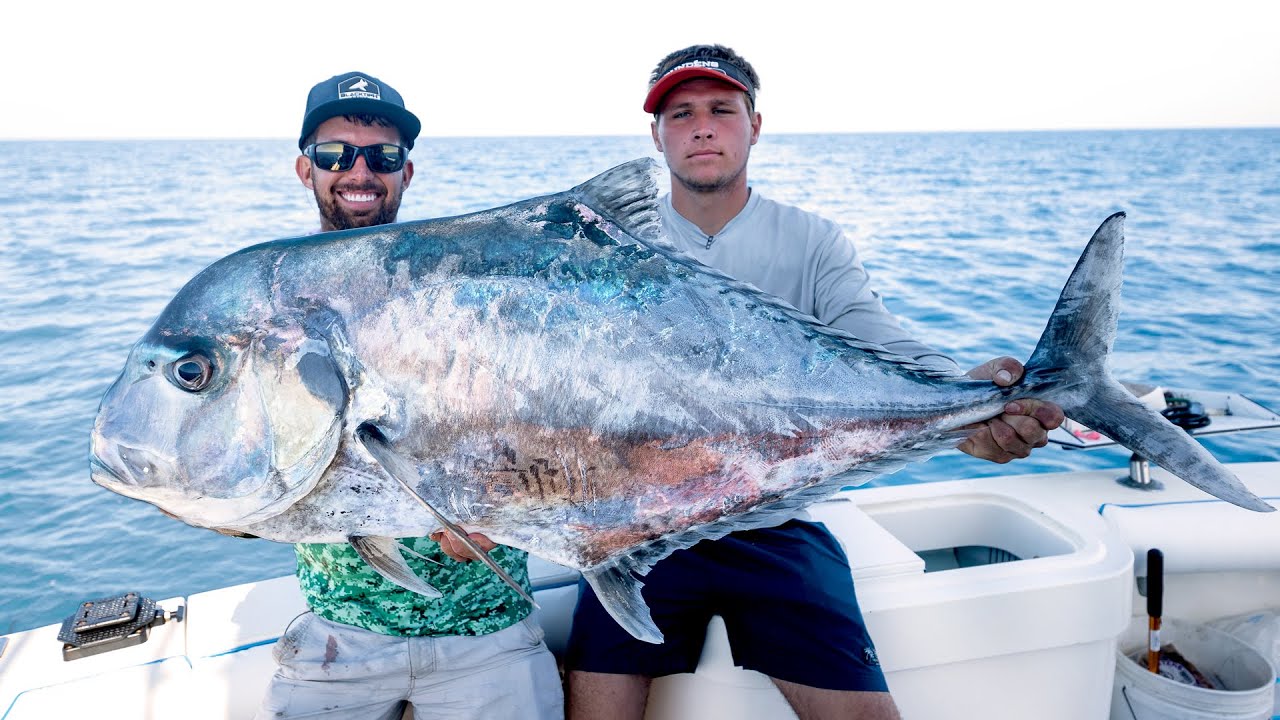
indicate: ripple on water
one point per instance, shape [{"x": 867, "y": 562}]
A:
[{"x": 968, "y": 236}]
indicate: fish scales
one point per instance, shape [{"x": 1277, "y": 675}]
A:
[{"x": 554, "y": 375}]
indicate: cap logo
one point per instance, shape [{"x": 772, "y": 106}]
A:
[
  {"x": 358, "y": 87},
  {"x": 708, "y": 64}
]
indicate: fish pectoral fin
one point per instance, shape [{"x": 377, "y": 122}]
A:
[
  {"x": 383, "y": 555},
  {"x": 619, "y": 592},
  {"x": 401, "y": 471},
  {"x": 406, "y": 549},
  {"x": 479, "y": 553}
]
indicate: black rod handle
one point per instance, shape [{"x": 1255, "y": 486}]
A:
[{"x": 1155, "y": 583}]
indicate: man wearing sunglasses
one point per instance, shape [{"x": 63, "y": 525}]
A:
[
  {"x": 368, "y": 648},
  {"x": 355, "y": 143}
]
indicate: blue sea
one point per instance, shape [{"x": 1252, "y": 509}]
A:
[{"x": 968, "y": 237}]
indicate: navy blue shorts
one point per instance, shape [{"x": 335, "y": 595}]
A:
[{"x": 786, "y": 596}]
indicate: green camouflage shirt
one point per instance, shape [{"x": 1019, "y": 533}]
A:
[{"x": 341, "y": 587}]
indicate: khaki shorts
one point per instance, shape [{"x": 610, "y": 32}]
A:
[{"x": 330, "y": 670}]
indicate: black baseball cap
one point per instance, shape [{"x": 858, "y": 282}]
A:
[
  {"x": 353, "y": 93},
  {"x": 715, "y": 67}
]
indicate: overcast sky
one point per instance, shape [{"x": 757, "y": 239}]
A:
[{"x": 540, "y": 67}]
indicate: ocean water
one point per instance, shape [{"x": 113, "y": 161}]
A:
[{"x": 968, "y": 236}]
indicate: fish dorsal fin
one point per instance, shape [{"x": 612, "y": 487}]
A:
[
  {"x": 627, "y": 195},
  {"x": 383, "y": 555}
]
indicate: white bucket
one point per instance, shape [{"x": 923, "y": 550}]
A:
[{"x": 1247, "y": 676}]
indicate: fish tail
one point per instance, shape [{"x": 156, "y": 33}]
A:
[{"x": 1070, "y": 367}]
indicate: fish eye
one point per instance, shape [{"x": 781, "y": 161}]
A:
[{"x": 192, "y": 372}]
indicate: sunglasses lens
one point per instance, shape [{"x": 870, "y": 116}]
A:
[
  {"x": 384, "y": 158},
  {"x": 339, "y": 157},
  {"x": 333, "y": 156}
]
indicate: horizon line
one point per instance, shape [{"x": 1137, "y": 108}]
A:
[{"x": 429, "y": 137}]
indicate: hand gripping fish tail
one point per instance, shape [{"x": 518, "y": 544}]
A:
[{"x": 1069, "y": 366}]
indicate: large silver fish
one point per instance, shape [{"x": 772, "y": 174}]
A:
[{"x": 554, "y": 375}]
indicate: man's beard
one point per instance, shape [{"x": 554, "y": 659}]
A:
[
  {"x": 709, "y": 186},
  {"x": 334, "y": 217}
]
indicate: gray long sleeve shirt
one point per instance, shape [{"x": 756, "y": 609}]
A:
[{"x": 807, "y": 261}]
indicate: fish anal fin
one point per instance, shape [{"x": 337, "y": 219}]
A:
[
  {"x": 619, "y": 592},
  {"x": 383, "y": 555},
  {"x": 616, "y": 580}
]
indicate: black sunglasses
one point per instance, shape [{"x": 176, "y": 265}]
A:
[{"x": 340, "y": 157}]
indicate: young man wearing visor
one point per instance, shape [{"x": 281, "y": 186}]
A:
[
  {"x": 367, "y": 648},
  {"x": 785, "y": 592}
]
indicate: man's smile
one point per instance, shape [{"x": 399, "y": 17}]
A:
[{"x": 358, "y": 197}]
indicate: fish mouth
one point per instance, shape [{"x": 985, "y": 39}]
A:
[
  {"x": 102, "y": 473},
  {"x": 105, "y": 476},
  {"x": 130, "y": 466},
  {"x": 141, "y": 475}
]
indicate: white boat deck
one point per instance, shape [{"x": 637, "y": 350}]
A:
[{"x": 1017, "y": 639}]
